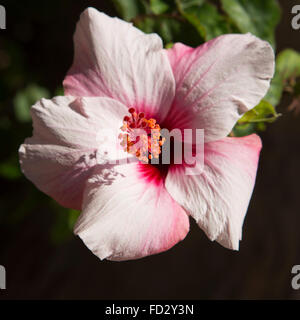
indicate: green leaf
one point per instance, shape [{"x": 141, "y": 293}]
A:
[
  {"x": 146, "y": 24},
  {"x": 275, "y": 92},
  {"x": 287, "y": 70},
  {"x": 158, "y": 6},
  {"x": 263, "y": 112},
  {"x": 73, "y": 216},
  {"x": 260, "y": 17},
  {"x": 26, "y": 98},
  {"x": 205, "y": 17},
  {"x": 59, "y": 91},
  {"x": 187, "y": 4},
  {"x": 10, "y": 170},
  {"x": 261, "y": 126},
  {"x": 129, "y": 9},
  {"x": 169, "y": 45},
  {"x": 241, "y": 130},
  {"x": 171, "y": 30},
  {"x": 288, "y": 64}
]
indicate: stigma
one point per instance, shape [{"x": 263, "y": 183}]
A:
[{"x": 140, "y": 136}]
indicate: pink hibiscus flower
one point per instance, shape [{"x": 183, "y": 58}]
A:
[{"x": 132, "y": 210}]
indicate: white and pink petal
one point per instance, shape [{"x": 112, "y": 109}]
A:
[
  {"x": 218, "y": 198},
  {"x": 69, "y": 140},
  {"x": 131, "y": 217},
  {"x": 114, "y": 59},
  {"x": 218, "y": 82}
]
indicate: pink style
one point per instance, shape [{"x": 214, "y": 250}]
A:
[{"x": 136, "y": 209}]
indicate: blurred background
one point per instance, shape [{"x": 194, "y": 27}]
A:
[{"x": 42, "y": 257}]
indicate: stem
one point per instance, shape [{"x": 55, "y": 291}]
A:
[{"x": 263, "y": 119}]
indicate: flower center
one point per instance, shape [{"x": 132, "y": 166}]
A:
[{"x": 142, "y": 137}]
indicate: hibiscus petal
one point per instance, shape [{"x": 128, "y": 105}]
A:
[
  {"x": 131, "y": 217},
  {"x": 218, "y": 82},
  {"x": 218, "y": 198},
  {"x": 115, "y": 59},
  {"x": 67, "y": 143}
]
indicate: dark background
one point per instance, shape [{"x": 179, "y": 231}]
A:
[{"x": 37, "y": 47}]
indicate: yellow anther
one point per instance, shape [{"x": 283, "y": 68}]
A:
[{"x": 144, "y": 146}]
